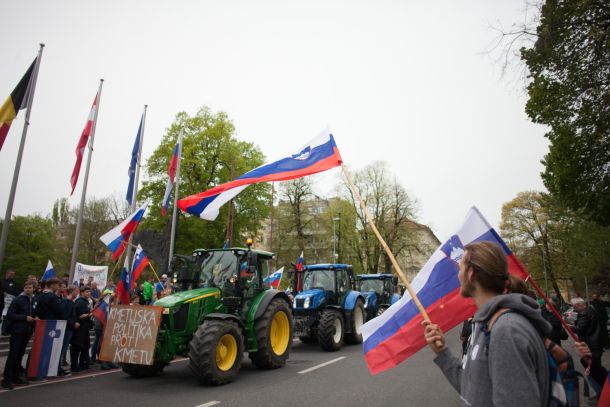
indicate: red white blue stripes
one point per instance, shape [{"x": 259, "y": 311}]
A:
[
  {"x": 46, "y": 348},
  {"x": 118, "y": 238},
  {"x": 49, "y": 272},
  {"x": 397, "y": 334},
  {"x": 318, "y": 155},
  {"x": 171, "y": 171},
  {"x": 140, "y": 261},
  {"x": 273, "y": 279}
]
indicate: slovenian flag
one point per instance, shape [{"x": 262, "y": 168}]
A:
[
  {"x": 140, "y": 262},
  {"x": 318, "y": 155},
  {"x": 135, "y": 152},
  {"x": 273, "y": 279},
  {"x": 397, "y": 334},
  {"x": 122, "y": 287},
  {"x": 299, "y": 267},
  {"x": 46, "y": 348},
  {"x": 16, "y": 101},
  {"x": 82, "y": 143},
  {"x": 118, "y": 238},
  {"x": 100, "y": 312},
  {"x": 49, "y": 272},
  {"x": 171, "y": 171}
]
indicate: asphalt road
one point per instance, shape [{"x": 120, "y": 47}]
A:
[{"x": 311, "y": 377}]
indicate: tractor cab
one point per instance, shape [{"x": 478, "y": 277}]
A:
[
  {"x": 380, "y": 292},
  {"x": 328, "y": 310}
]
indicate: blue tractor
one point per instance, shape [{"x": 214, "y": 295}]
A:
[
  {"x": 379, "y": 290},
  {"x": 328, "y": 310}
]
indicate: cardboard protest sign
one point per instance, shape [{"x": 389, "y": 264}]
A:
[{"x": 130, "y": 335}]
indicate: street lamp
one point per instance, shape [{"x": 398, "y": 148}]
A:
[{"x": 335, "y": 239}]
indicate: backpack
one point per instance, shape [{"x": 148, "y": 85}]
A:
[{"x": 564, "y": 389}]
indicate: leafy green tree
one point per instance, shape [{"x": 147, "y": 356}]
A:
[
  {"x": 31, "y": 243},
  {"x": 211, "y": 155},
  {"x": 569, "y": 67}
]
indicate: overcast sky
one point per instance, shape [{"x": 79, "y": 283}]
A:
[{"x": 400, "y": 81}]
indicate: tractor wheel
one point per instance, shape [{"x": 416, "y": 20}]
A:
[
  {"x": 273, "y": 333},
  {"x": 216, "y": 351},
  {"x": 143, "y": 370},
  {"x": 330, "y": 330},
  {"x": 381, "y": 310},
  {"x": 313, "y": 338},
  {"x": 355, "y": 337}
]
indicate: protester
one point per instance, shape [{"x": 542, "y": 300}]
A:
[
  {"x": 80, "y": 343},
  {"x": 20, "y": 319},
  {"x": 95, "y": 292},
  {"x": 69, "y": 314},
  {"x": 66, "y": 279},
  {"x": 147, "y": 288},
  {"x": 506, "y": 365},
  {"x": 600, "y": 308},
  {"x": 48, "y": 305},
  {"x": 10, "y": 288},
  {"x": 590, "y": 331},
  {"x": 558, "y": 333}
]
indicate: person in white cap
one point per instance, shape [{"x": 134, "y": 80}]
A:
[{"x": 160, "y": 286}]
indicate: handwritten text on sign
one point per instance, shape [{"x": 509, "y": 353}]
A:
[{"x": 130, "y": 334}]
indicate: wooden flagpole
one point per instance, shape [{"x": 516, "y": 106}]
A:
[{"x": 397, "y": 268}]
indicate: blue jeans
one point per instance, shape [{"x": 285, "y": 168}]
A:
[{"x": 95, "y": 350}]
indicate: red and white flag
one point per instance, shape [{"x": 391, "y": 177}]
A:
[{"x": 82, "y": 144}]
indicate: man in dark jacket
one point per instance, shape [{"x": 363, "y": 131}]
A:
[
  {"x": 69, "y": 314},
  {"x": 558, "y": 333},
  {"x": 80, "y": 343},
  {"x": 48, "y": 305},
  {"x": 21, "y": 318},
  {"x": 590, "y": 331}
]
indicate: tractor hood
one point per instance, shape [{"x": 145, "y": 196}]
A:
[
  {"x": 370, "y": 300},
  {"x": 182, "y": 297},
  {"x": 309, "y": 299}
]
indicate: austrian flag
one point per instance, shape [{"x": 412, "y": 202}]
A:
[{"x": 82, "y": 144}]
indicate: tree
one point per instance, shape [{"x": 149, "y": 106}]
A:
[
  {"x": 211, "y": 155},
  {"x": 30, "y": 245},
  {"x": 569, "y": 91},
  {"x": 391, "y": 208}
]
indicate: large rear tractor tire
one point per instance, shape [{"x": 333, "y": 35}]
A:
[
  {"x": 330, "y": 330},
  {"x": 216, "y": 351},
  {"x": 144, "y": 370},
  {"x": 273, "y": 331},
  {"x": 358, "y": 315}
]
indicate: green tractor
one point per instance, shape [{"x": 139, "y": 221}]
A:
[{"x": 225, "y": 312}]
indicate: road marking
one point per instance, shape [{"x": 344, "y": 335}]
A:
[
  {"x": 209, "y": 404},
  {"x": 321, "y": 365},
  {"x": 76, "y": 377}
]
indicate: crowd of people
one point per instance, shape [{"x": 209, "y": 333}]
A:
[
  {"x": 54, "y": 299},
  {"x": 509, "y": 365}
]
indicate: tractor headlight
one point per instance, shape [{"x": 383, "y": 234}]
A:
[
  {"x": 294, "y": 302},
  {"x": 307, "y": 302}
]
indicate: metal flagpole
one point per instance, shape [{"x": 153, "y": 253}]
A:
[
  {"x": 24, "y": 133},
  {"x": 137, "y": 176},
  {"x": 84, "y": 192},
  {"x": 175, "y": 213}
]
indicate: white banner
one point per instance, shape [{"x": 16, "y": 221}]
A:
[{"x": 99, "y": 274}]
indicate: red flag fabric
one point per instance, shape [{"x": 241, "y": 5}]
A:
[{"x": 82, "y": 144}]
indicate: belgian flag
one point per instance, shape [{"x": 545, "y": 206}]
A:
[{"x": 15, "y": 102}]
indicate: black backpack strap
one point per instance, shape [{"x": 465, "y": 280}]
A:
[{"x": 489, "y": 323}]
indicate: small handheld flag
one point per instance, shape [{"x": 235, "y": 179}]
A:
[
  {"x": 299, "y": 267},
  {"x": 118, "y": 238},
  {"x": 49, "y": 272},
  {"x": 274, "y": 279},
  {"x": 100, "y": 312},
  {"x": 140, "y": 261},
  {"x": 122, "y": 287},
  {"x": 320, "y": 154}
]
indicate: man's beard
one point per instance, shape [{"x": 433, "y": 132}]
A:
[{"x": 466, "y": 289}]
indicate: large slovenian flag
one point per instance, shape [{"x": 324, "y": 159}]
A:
[
  {"x": 16, "y": 101},
  {"x": 273, "y": 279},
  {"x": 46, "y": 348},
  {"x": 82, "y": 144},
  {"x": 171, "y": 171},
  {"x": 135, "y": 152},
  {"x": 318, "y": 155},
  {"x": 140, "y": 262},
  {"x": 49, "y": 272},
  {"x": 397, "y": 334},
  {"x": 118, "y": 238}
]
